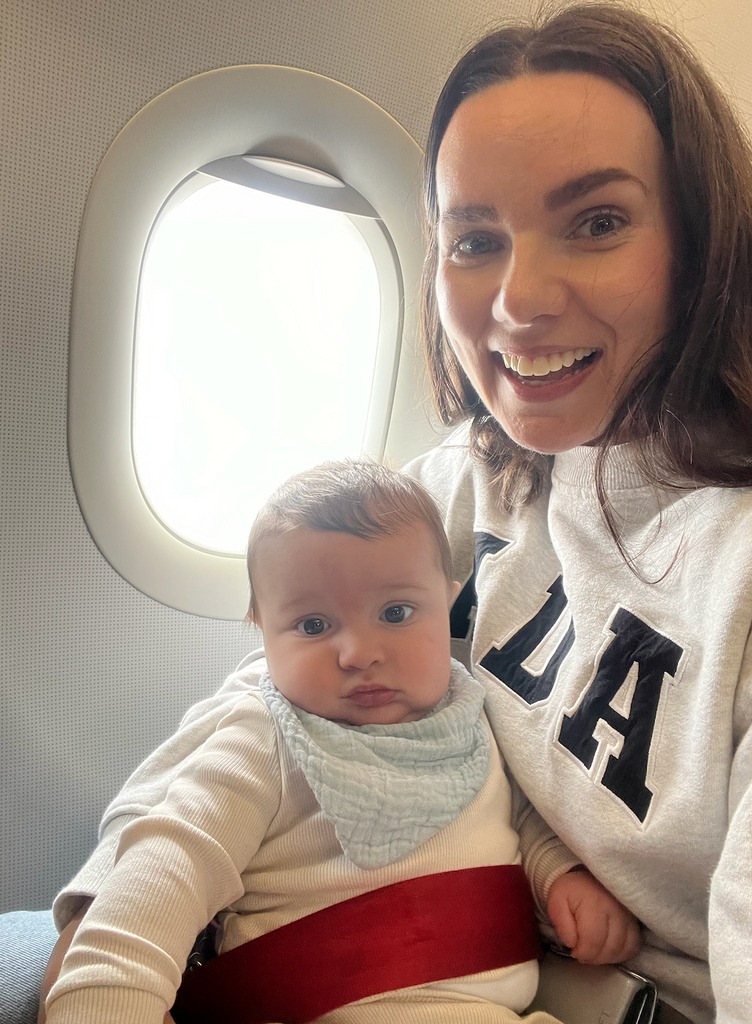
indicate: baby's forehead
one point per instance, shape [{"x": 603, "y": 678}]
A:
[
  {"x": 293, "y": 571},
  {"x": 274, "y": 546}
]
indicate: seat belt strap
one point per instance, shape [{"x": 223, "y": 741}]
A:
[{"x": 414, "y": 932}]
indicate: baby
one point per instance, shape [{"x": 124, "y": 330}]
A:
[{"x": 355, "y": 791}]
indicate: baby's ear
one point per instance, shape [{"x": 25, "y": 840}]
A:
[{"x": 454, "y": 589}]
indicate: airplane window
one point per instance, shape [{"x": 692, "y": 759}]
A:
[
  {"x": 256, "y": 314},
  {"x": 244, "y": 304}
]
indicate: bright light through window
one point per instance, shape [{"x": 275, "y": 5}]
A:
[{"x": 256, "y": 340}]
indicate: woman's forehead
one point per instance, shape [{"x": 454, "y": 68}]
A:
[{"x": 551, "y": 127}]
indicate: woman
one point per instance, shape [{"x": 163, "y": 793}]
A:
[
  {"x": 588, "y": 310},
  {"x": 588, "y": 305}
]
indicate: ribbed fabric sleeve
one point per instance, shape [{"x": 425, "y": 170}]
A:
[{"x": 148, "y": 785}]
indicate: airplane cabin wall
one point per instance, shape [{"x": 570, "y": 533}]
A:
[
  {"x": 721, "y": 31},
  {"x": 95, "y": 674}
]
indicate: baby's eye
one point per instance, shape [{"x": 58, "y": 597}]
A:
[
  {"x": 599, "y": 224},
  {"x": 313, "y": 626},
  {"x": 396, "y": 613}
]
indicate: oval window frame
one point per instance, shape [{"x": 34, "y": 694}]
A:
[{"x": 286, "y": 113}]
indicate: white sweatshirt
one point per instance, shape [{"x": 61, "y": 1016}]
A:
[{"x": 623, "y": 707}]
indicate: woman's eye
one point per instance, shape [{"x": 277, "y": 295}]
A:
[
  {"x": 476, "y": 244},
  {"x": 602, "y": 225},
  {"x": 397, "y": 613},
  {"x": 599, "y": 225},
  {"x": 313, "y": 626}
]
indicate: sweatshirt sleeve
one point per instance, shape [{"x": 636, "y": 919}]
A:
[
  {"x": 730, "y": 917},
  {"x": 544, "y": 856},
  {"x": 176, "y": 867},
  {"x": 148, "y": 784}
]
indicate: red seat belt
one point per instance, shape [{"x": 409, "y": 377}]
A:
[{"x": 414, "y": 932}]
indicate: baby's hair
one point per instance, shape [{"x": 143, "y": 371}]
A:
[{"x": 351, "y": 496}]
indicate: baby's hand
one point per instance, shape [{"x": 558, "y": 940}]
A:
[{"x": 590, "y": 921}]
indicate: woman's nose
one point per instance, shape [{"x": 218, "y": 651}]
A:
[
  {"x": 359, "y": 649},
  {"x": 532, "y": 285}
]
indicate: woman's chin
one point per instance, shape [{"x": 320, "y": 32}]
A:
[{"x": 551, "y": 438}]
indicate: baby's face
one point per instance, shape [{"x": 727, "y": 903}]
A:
[{"x": 356, "y": 631}]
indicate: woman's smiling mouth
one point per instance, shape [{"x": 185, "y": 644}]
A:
[
  {"x": 548, "y": 376},
  {"x": 546, "y": 365}
]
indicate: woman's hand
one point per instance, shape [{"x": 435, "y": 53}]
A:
[{"x": 591, "y": 922}]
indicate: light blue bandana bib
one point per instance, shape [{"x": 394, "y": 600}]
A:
[{"x": 389, "y": 788}]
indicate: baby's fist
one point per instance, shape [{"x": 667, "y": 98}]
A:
[{"x": 590, "y": 921}]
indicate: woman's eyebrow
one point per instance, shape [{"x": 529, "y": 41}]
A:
[
  {"x": 578, "y": 187},
  {"x": 475, "y": 213}
]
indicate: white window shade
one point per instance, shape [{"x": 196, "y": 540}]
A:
[{"x": 259, "y": 324}]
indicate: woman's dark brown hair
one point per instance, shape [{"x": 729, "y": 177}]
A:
[{"x": 690, "y": 404}]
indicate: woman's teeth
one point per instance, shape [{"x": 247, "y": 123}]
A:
[{"x": 540, "y": 366}]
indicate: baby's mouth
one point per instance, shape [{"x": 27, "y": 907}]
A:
[
  {"x": 549, "y": 368},
  {"x": 368, "y": 696}
]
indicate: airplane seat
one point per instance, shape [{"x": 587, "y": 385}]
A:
[{"x": 26, "y": 939}]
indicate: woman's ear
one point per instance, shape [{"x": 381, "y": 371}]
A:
[{"x": 454, "y": 590}]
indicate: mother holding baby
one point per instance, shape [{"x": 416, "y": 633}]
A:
[{"x": 588, "y": 323}]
